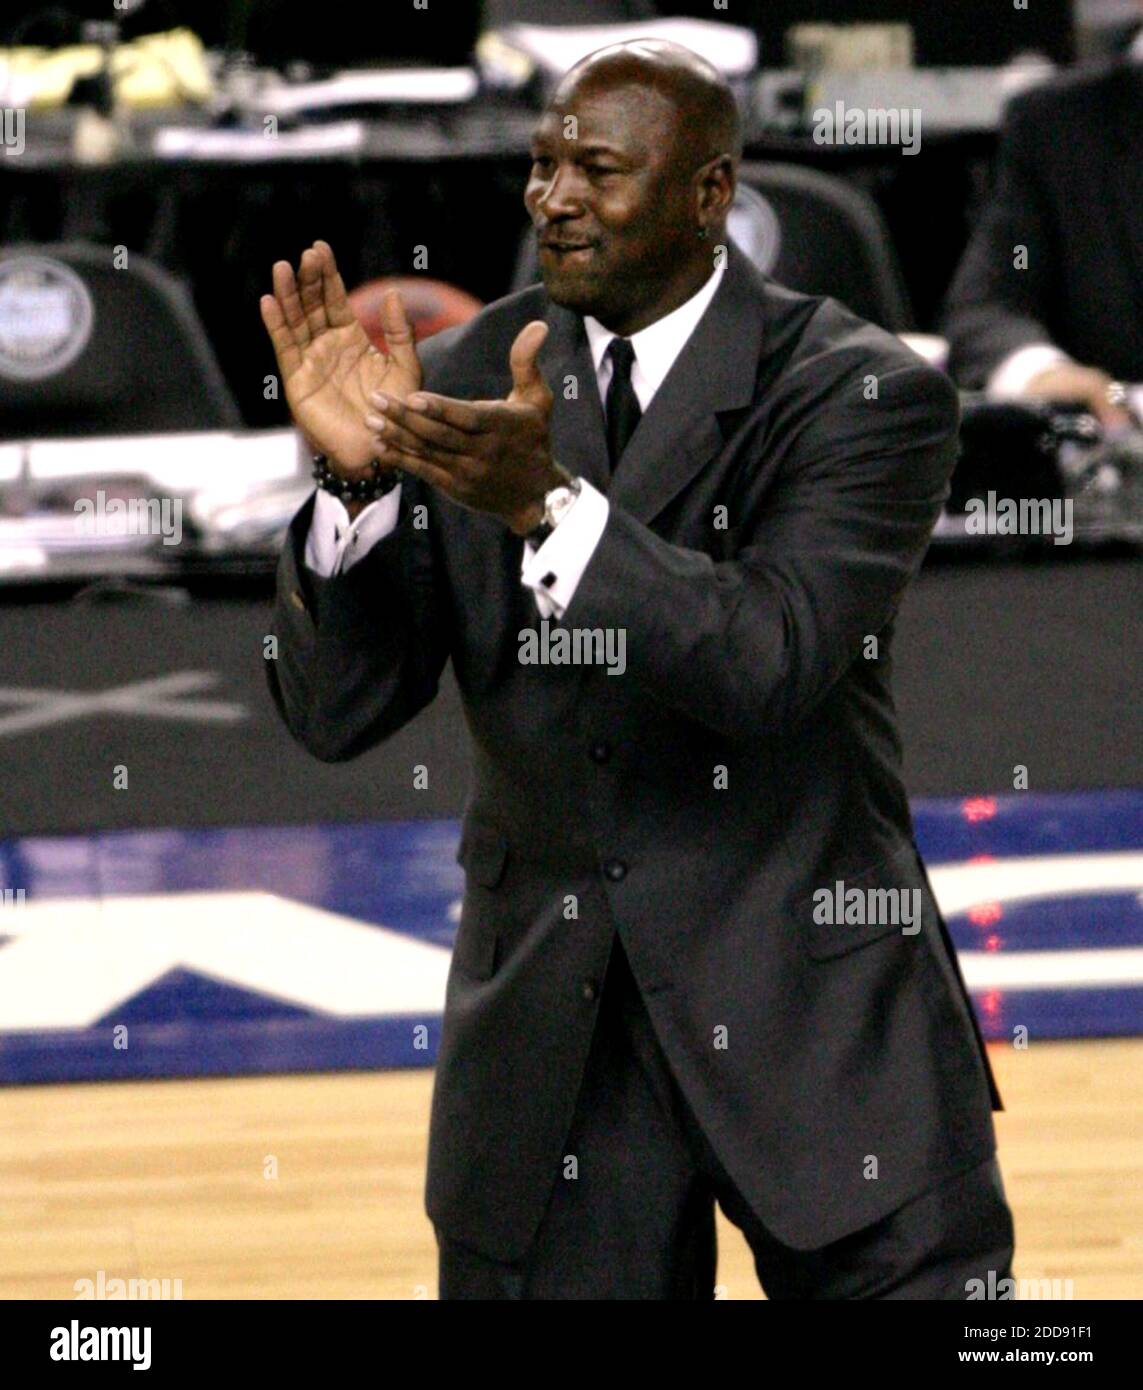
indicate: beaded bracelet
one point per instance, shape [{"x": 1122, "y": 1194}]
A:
[{"x": 358, "y": 489}]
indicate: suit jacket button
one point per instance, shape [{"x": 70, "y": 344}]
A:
[
  {"x": 615, "y": 870},
  {"x": 589, "y": 990},
  {"x": 600, "y": 752}
]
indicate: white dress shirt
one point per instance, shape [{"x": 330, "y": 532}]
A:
[
  {"x": 1010, "y": 378},
  {"x": 335, "y": 543}
]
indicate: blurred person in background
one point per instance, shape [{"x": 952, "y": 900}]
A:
[{"x": 1062, "y": 321}]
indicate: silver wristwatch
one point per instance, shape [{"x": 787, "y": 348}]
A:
[{"x": 558, "y": 501}]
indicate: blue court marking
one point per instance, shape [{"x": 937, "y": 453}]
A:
[
  {"x": 1026, "y": 823},
  {"x": 403, "y": 876},
  {"x": 218, "y": 1047},
  {"x": 1083, "y": 921},
  {"x": 1060, "y": 1013}
]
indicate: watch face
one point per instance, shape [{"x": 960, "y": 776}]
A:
[{"x": 556, "y": 503}]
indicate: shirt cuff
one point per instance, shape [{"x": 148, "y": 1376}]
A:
[
  {"x": 1012, "y": 376},
  {"x": 335, "y": 543},
  {"x": 553, "y": 570}
]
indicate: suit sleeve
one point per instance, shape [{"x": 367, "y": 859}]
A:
[
  {"x": 361, "y": 653},
  {"x": 993, "y": 308},
  {"x": 750, "y": 646}
]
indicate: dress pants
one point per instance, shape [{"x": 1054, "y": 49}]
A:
[{"x": 637, "y": 1221}]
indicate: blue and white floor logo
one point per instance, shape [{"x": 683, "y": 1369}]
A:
[{"x": 290, "y": 949}]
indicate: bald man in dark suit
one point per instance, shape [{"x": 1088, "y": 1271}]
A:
[{"x": 660, "y": 514}]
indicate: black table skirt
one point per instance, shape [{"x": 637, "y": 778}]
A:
[{"x": 995, "y": 665}]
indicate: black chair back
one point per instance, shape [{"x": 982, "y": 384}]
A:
[
  {"x": 825, "y": 236},
  {"x": 87, "y": 348}
]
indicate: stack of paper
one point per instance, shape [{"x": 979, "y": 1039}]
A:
[
  {"x": 732, "y": 50},
  {"x": 383, "y": 86},
  {"x": 178, "y": 461},
  {"x": 185, "y": 142}
]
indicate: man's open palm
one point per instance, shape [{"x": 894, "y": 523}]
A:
[{"x": 328, "y": 365}]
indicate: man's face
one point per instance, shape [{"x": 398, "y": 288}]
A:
[{"x": 612, "y": 207}]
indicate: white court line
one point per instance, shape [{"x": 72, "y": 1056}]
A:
[
  {"x": 961, "y": 886},
  {"x": 1052, "y": 969}
]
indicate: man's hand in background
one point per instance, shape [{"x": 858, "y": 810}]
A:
[
  {"x": 490, "y": 456},
  {"x": 329, "y": 367},
  {"x": 1086, "y": 386}
]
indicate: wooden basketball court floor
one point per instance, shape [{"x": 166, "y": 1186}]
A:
[{"x": 310, "y": 1186}]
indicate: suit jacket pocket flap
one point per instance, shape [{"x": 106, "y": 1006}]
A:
[
  {"x": 725, "y": 545},
  {"x": 862, "y": 907}
]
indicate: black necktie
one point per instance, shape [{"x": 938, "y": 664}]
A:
[{"x": 623, "y": 409}]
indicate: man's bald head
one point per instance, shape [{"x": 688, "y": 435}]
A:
[
  {"x": 707, "y": 122},
  {"x": 633, "y": 173}
]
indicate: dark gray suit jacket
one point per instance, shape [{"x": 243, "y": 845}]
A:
[
  {"x": 1069, "y": 187},
  {"x": 830, "y": 446}
]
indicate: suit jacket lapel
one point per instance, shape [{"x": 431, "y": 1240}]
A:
[{"x": 679, "y": 432}]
